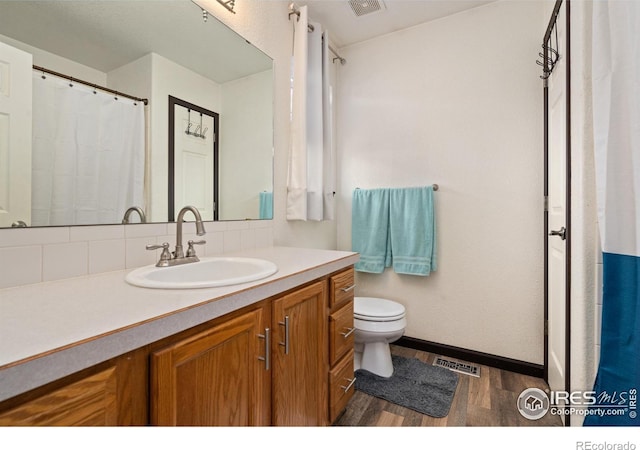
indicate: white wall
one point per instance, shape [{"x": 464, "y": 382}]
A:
[
  {"x": 57, "y": 63},
  {"x": 246, "y": 135},
  {"x": 458, "y": 102}
]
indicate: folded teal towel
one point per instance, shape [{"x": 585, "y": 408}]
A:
[
  {"x": 370, "y": 229},
  {"x": 412, "y": 230},
  {"x": 266, "y": 205}
]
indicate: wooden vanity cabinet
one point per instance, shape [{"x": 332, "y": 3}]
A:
[
  {"x": 341, "y": 341},
  {"x": 287, "y": 360}
]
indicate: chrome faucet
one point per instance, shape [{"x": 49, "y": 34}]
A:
[
  {"x": 137, "y": 209},
  {"x": 178, "y": 257},
  {"x": 178, "y": 253}
]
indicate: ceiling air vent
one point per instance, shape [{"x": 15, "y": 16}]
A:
[{"x": 362, "y": 7}]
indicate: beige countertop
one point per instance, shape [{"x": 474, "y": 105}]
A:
[{"x": 50, "y": 330}]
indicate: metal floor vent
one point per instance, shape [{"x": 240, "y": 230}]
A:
[
  {"x": 456, "y": 366},
  {"x": 362, "y": 7}
]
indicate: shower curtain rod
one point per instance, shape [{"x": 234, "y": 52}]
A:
[
  {"x": 295, "y": 11},
  {"x": 93, "y": 85},
  {"x": 434, "y": 186},
  {"x": 338, "y": 57}
]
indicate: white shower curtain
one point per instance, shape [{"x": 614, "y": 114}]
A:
[
  {"x": 311, "y": 177},
  {"x": 616, "y": 133},
  {"x": 88, "y": 154}
]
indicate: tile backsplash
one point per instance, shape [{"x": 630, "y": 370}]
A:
[{"x": 32, "y": 255}]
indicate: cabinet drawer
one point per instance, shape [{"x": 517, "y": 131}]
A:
[
  {"x": 341, "y": 332},
  {"x": 341, "y": 386},
  {"x": 342, "y": 287}
]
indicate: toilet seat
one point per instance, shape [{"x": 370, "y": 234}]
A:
[
  {"x": 379, "y": 326},
  {"x": 372, "y": 309},
  {"x": 377, "y": 323}
]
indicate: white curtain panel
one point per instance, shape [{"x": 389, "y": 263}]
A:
[
  {"x": 315, "y": 132},
  {"x": 88, "y": 154},
  {"x": 616, "y": 119},
  {"x": 311, "y": 180},
  {"x": 328, "y": 158},
  {"x": 297, "y": 174}
]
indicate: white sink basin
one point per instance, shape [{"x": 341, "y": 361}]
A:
[{"x": 208, "y": 272}]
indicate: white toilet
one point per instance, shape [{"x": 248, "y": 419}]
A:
[{"x": 378, "y": 322}]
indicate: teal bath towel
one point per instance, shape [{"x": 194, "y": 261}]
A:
[
  {"x": 370, "y": 229},
  {"x": 412, "y": 230},
  {"x": 266, "y": 205}
]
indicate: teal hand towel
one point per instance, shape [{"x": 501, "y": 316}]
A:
[
  {"x": 266, "y": 205},
  {"x": 370, "y": 229},
  {"x": 412, "y": 230}
]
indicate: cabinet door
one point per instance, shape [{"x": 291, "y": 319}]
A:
[
  {"x": 91, "y": 401},
  {"x": 299, "y": 352},
  {"x": 213, "y": 378}
]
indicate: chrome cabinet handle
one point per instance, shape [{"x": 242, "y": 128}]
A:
[
  {"x": 348, "y": 386},
  {"x": 267, "y": 348},
  {"x": 348, "y": 288},
  {"x": 285, "y": 344},
  {"x": 348, "y": 333}
]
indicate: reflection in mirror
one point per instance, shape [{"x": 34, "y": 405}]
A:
[
  {"x": 152, "y": 50},
  {"x": 193, "y": 159},
  {"x": 88, "y": 153}
]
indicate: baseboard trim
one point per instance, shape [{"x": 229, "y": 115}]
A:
[{"x": 499, "y": 362}]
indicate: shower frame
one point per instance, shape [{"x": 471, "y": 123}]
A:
[{"x": 567, "y": 337}]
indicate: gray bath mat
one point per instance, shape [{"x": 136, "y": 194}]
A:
[{"x": 414, "y": 384}]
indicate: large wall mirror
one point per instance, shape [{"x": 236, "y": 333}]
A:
[{"x": 87, "y": 120}]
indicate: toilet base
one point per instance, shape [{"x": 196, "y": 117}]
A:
[{"x": 374, "y": 357}]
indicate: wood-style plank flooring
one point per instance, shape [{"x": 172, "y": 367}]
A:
[{"x": 489, "y": 400}]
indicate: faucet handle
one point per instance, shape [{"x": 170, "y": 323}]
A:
[
  {"x": 164, "y": 245},
  {"x": 164, "y": 256},
  {"x": 190, "y": 250}
]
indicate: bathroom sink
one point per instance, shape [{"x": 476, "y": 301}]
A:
[{"x": 208, "y": 272}]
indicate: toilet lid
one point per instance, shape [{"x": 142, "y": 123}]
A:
[{"x": 377, "y": 309}]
